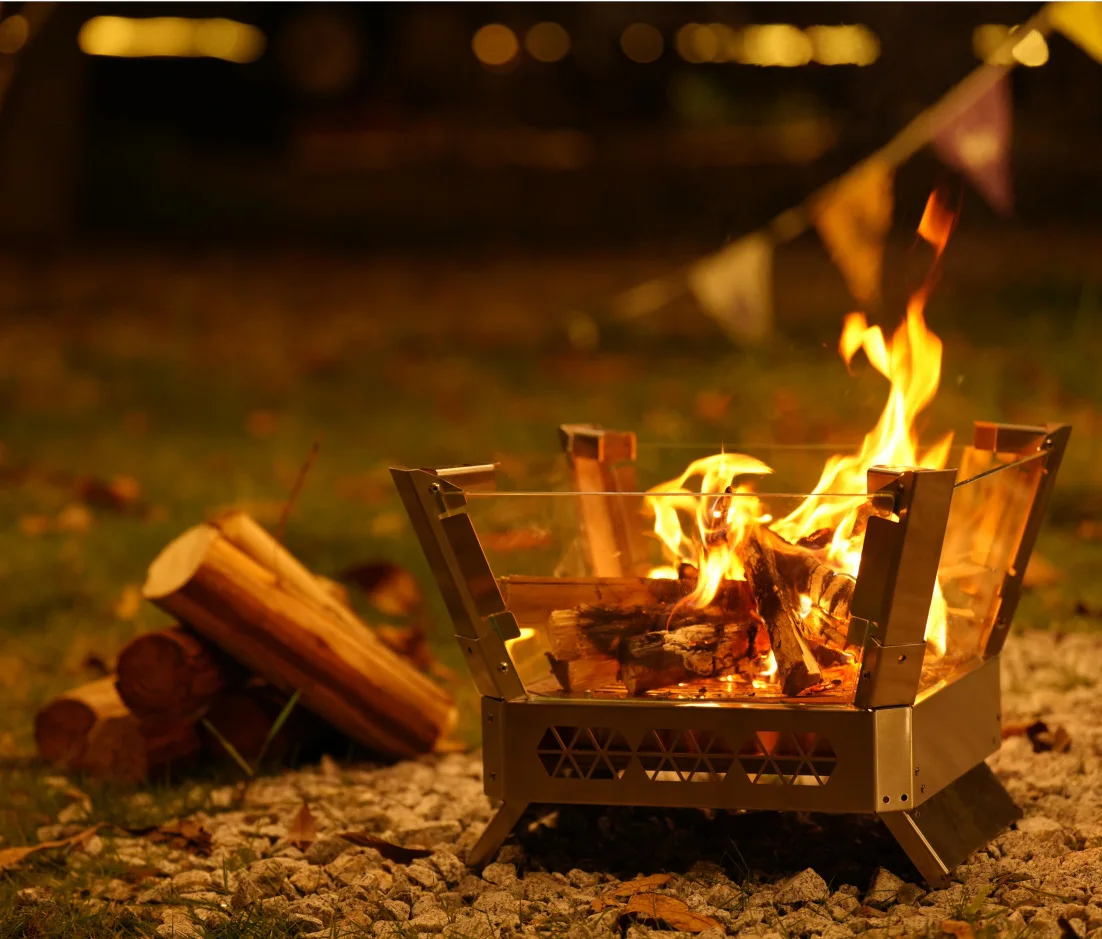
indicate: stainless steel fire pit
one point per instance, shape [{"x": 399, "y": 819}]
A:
[{"x": 890, "y": 721}]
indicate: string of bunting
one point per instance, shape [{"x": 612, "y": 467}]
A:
[{"x": 969, "y": 130}]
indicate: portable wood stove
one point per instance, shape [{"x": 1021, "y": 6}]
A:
[{"x": 897, "y": 728}]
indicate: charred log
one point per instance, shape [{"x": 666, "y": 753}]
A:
[{"x": 778, "y": 605}]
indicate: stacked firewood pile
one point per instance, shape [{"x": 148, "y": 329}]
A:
[{"x": 255, "y": 628}]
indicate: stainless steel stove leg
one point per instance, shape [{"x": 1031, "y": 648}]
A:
[
  {"x": 943, "y": 831},
  {"x": 499, "y": 828}
]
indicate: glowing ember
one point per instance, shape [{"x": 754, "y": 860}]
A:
[{"x": 710, "y": 533}]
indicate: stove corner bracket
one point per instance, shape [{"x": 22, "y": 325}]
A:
[{"x": 941, "y": 833}]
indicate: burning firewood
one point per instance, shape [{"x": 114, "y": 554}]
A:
[
  {"x": 240, "y": 589},
  {"x": 829, "y": 590},
  {"x": 661, "y": 659},
  {"x": 91, "y": 730},
  {"x": 779, "y": 606}
]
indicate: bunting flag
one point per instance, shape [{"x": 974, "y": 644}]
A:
[
  {"x": 853, "y": 217},
  {"x": 735, "y": 287},
  {"x": 976, "y": 143},
  {"x": 1081, "y": 23}
]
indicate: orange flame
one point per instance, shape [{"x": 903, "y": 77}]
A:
[{"x": 911, "y": 361}]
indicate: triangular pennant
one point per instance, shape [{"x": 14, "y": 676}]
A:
[
  {"x": 975, "y": 141},
  {"x": 1081, "y": 23},
  {"x": 853, "y": 217},
  {"x": 735, "y": 287}
]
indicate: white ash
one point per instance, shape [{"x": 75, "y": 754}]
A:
[{"x": 757, "y": 875}]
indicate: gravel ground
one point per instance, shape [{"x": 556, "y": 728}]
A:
[{"x": 576, "y": 872}]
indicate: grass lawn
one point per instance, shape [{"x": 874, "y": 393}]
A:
[{"x": 208, "y": 394}]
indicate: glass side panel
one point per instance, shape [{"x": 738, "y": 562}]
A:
[
  {"x": 794, "y": 468},
  {"x": 990, "y": 507},
  {"x": 677, "y": 594}
]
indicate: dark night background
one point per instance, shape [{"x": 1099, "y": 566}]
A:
[{"x": 376, "y": 125}]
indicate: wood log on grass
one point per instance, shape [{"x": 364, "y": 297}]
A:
[
  {"x": 173, "y": 674},
  {"x": 273, "y": 616},
  {"x": 89, "y": 729}
]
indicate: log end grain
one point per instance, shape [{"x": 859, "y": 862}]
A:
[{"x": 178, "y": 562}]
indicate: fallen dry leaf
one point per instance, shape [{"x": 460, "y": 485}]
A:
[
  {"x": 958, "y": 928},
  {"x": 261, "y": 424},
  {"x": 75, "y": 517},
  {"x": 134, "y": 875},
  {"x": 185, "y": 835},
  {"x": 1040, "y": 572},
  {"x": 391, "y": 589},
  {"x": 712, "y": 405},
  {"x": 120, "y": 493},
  {"x": 517, "y": 539},
  {"x": 670, "y": 911},
  {"x": 10, "y": 857},
  {"x": 1089, "y": 530},
  {"x": 33, "y": 525},
  {"x": 389, "y": 850},
  {"x": 640, "y": 884},
  {"x": 621, "y": 892},
  {"x": 1040, "y": 736},
  {"x": 304, "y": 829}
]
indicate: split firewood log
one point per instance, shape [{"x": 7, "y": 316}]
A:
[
  {"x": 172, "y": 674},
  {"x": 273, "y": 617},
  {"x": 779, "y": 606},
  {"x": 531, "y": 599},
  {"x": 829, "y": 590},
  {"x": 89, "y": 729}
]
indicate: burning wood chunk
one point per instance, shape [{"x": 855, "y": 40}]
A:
[
  {"x": 659, "y": 659},
  {"x": 779, "y": 606},
  {"x": 829, "y": 590}
]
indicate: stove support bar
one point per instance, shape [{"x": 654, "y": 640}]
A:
[
  {"x": 497, "y": 830},
  {"x": 1052, "y": 440},
  {"x": 447, "y": 536},
  {"x": 942, "y": 832},
  {"x": 899, "y": 562}
]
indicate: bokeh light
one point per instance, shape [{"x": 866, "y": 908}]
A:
[
  {"x": 642, "y": 43},
  {"x": 775, "y": 44},
  {"x": 547, "y": 42},
  {"x": 171, "y": 36},
  {"x": 844, "y": 45},
  {"x": 495, "y": 45},
  {"x": 696, "y": 43},
  {"x": 14, "y": 32}
]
